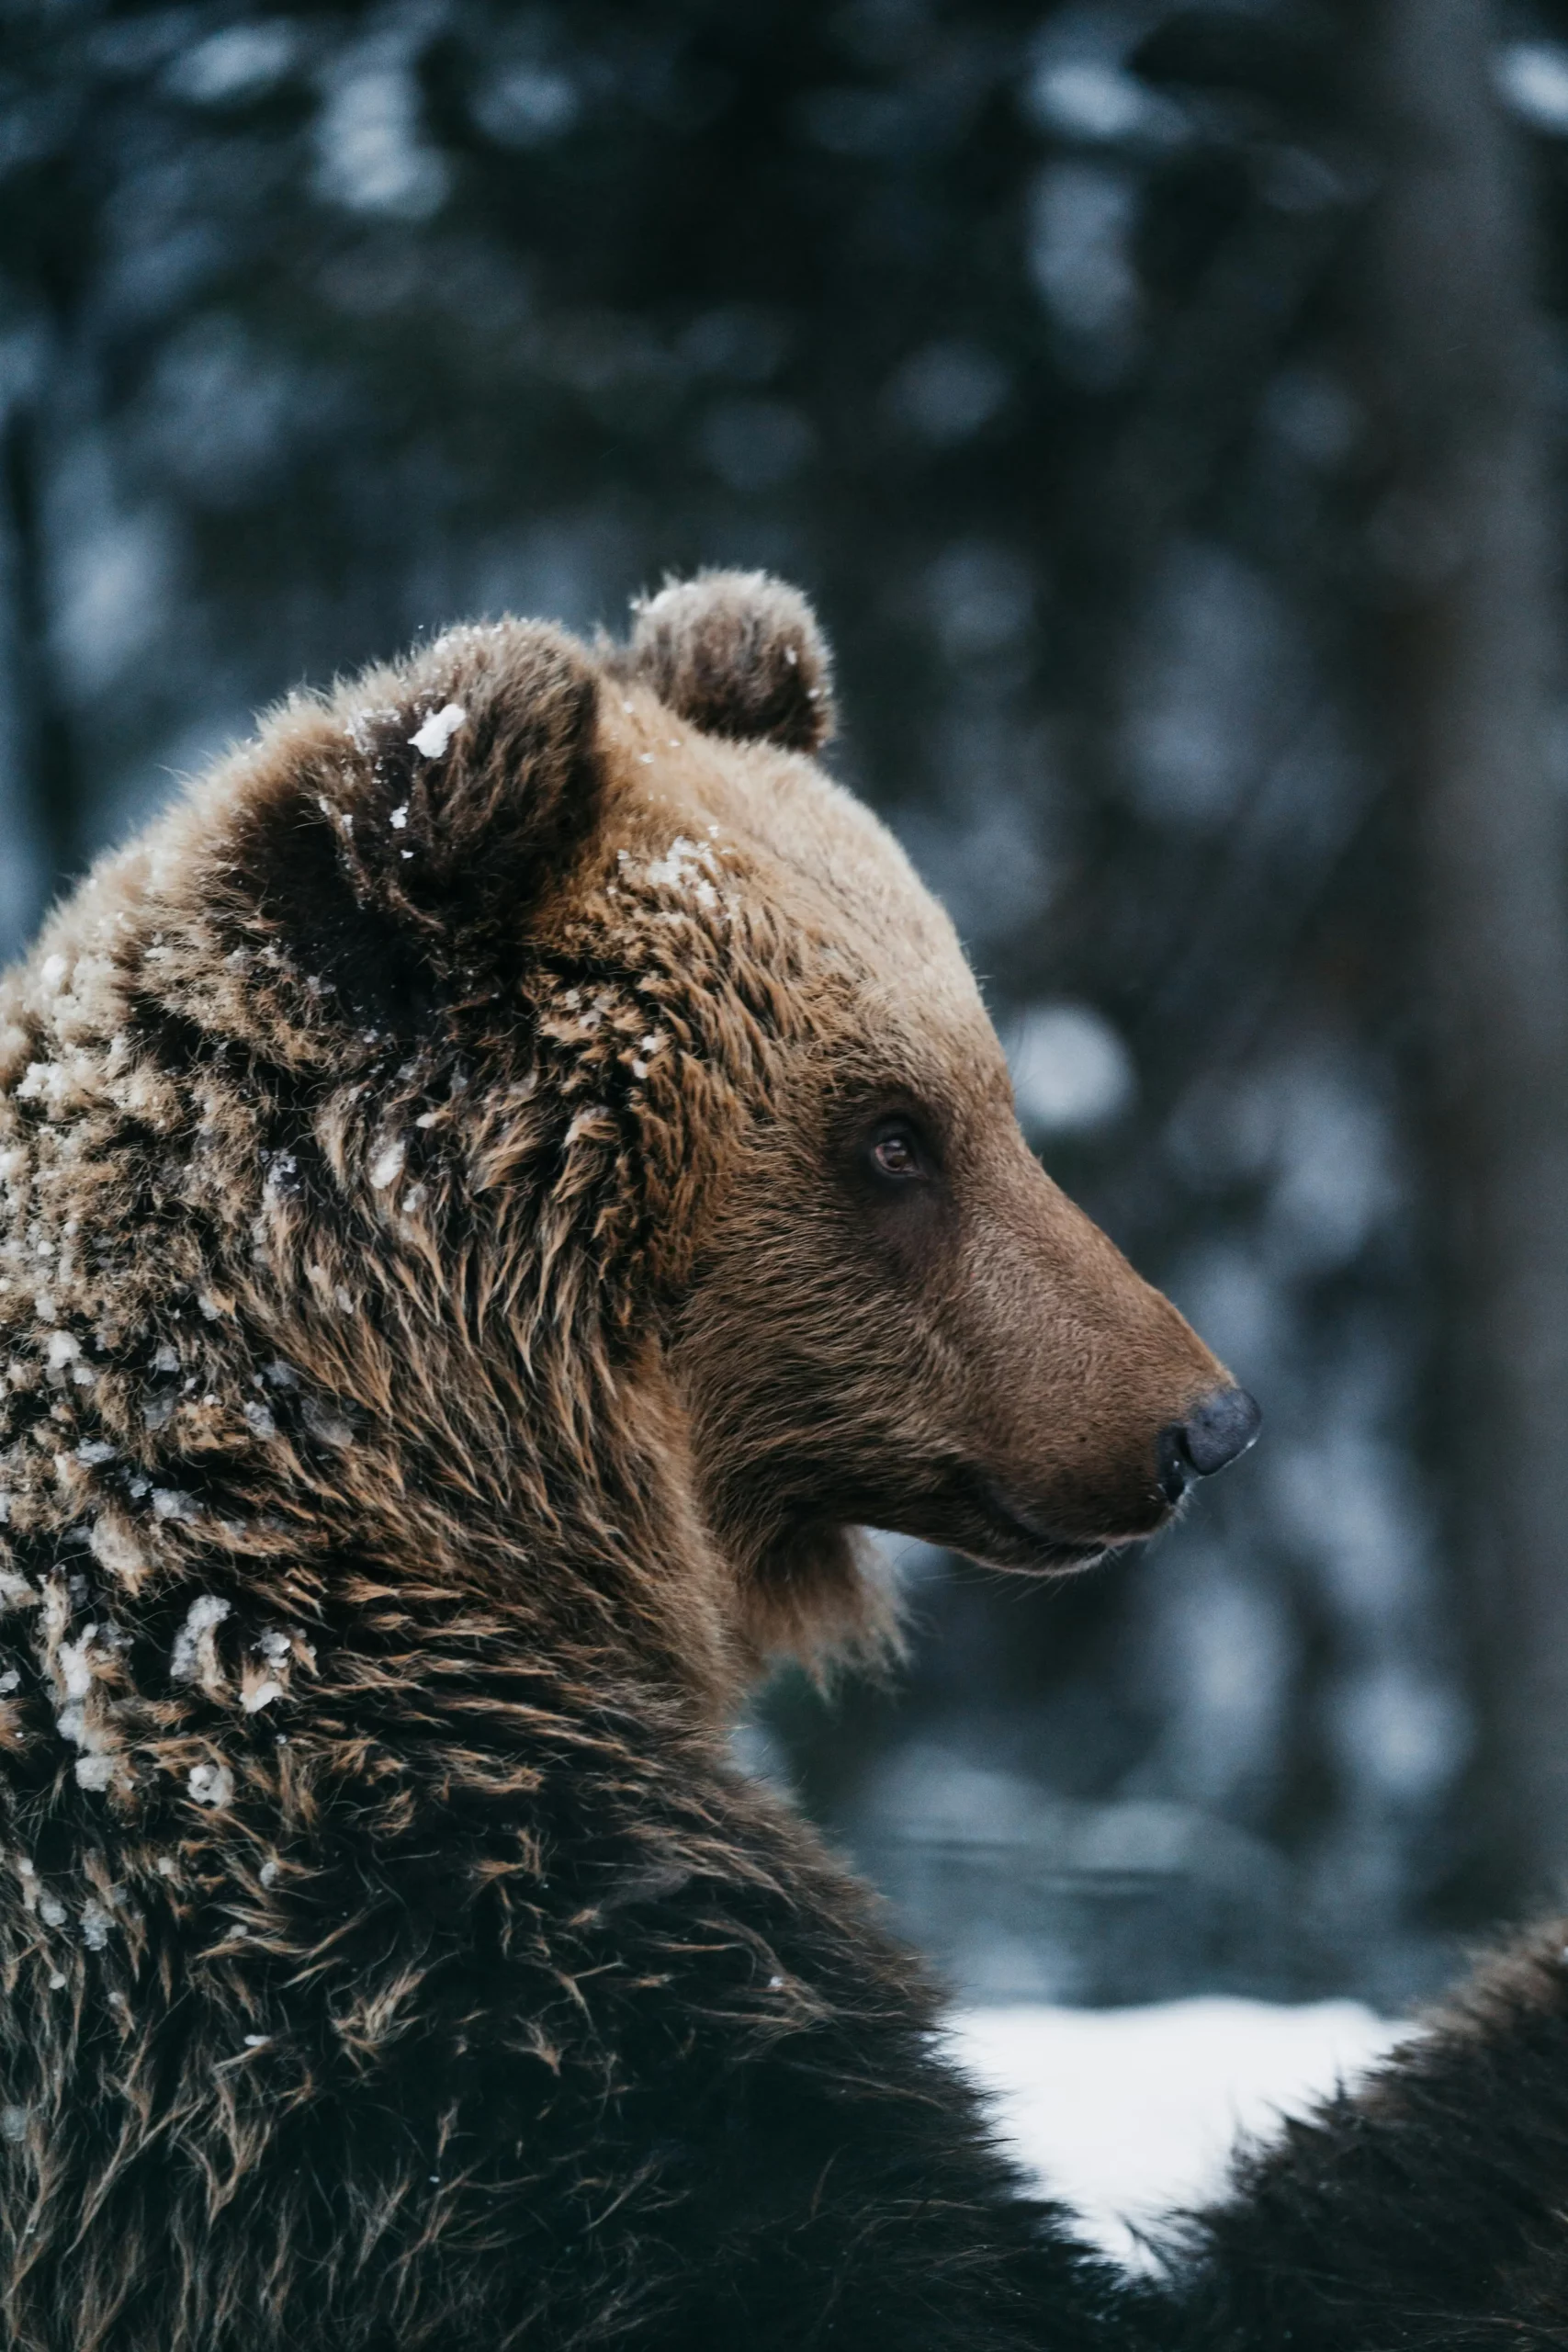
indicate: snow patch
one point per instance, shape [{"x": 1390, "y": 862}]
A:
[
  {"x": 192, "y": 1658},
  {"x": 1128, "y": 2113},
  {"x": 686, "y": 866},
  {"x": 388, "y": 1164},
  {"x": 75, "y": 1664},
  {"x": 95, "y": 1924},
  {"x": 432, "y": 740},
  {"x": 210, "y": 1783}
]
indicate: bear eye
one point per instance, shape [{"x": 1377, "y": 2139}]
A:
[{"x": 895, "y": 1151}]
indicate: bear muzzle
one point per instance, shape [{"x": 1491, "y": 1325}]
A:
[{"x": 1214, "y": 1434}]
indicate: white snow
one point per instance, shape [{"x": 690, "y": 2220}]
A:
[
  {"x": 193, "y": 1655},
  {"x": 387, "y": 1166},
  {"x": 1125, "y": 2114},
  {"x": 96, "y": 1923},
  {"x": 432, "y": 740},
  {"x": 681, "y": 868},
  {"x": 75, "y": 1672},
  {"x": 210, "y": 1783}
]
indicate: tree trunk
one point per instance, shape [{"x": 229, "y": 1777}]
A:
[{"x": 1467, "y": 663}]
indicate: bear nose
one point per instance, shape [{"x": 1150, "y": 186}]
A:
[{"x": 1219, "y": 1426}]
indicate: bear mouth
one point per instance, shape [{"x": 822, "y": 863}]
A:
[{"x": 1019, "y": 1536}]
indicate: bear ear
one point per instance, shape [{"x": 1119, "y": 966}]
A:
[
  {"x": 476, "y": 773},
  {"x": 410, "y": 825},
  {"x": 737, "y": 653}
]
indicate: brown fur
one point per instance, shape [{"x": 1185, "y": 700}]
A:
[{"x": 449, "y": 1332}]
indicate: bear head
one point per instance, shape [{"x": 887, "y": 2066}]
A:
[{"x": 520, "y": 1128}]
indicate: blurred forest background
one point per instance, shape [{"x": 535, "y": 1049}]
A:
[{"x": 1168, "y": 407}]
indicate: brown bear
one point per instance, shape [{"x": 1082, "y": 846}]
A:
[
  {"x": 497, "y": 1184},
  {"x": 495, "y": 1187}
]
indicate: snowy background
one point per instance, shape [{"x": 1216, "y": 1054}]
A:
[
  {"x": 1071, "y": 356},
  {"x": 1131, "y": 2116}
]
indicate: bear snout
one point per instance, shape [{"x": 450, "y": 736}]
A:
[{"x": 1218, "y": 1429}]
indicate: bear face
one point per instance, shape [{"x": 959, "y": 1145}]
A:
[{"x": 893, "y": 1315}]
